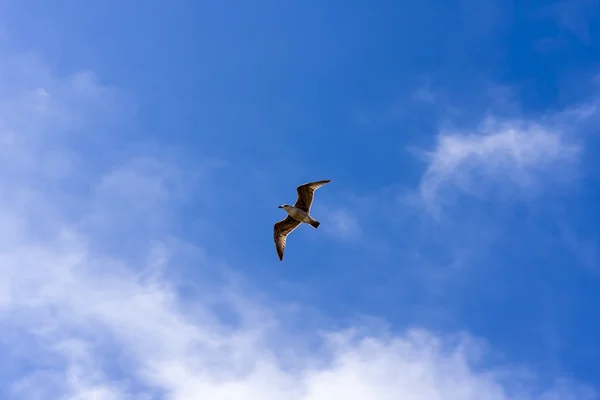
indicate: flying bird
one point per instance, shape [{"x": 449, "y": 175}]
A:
[{"x": 297, "y": 214}]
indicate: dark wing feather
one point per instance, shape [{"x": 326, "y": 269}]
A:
[
  {"x": 306, "y": 194},
  {"x": 280, "y": 231}
]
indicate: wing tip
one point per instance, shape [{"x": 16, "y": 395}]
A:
[{"x": 319, "y": 183}]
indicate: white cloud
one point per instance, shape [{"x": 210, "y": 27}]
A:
[
  {"x": 101, "y": 326},
  {"x": 515, "y": 155}
]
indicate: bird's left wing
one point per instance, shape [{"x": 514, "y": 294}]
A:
[
  {"x": 306, "y": 194},
  {"x": 281, "y": 230}
]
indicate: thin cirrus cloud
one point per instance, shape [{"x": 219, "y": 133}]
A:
[
  {"x": 84, "y": 322},
  {"x": 342, "y": 223},
  {"x": 519, "y": 156}
]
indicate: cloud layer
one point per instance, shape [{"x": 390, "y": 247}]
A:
[{"x": 84, "y": 318}]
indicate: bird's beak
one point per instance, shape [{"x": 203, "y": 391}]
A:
[{"x": 279, "y": 207}]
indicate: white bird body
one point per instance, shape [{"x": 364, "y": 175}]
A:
[{"x": 298, "y": 214}]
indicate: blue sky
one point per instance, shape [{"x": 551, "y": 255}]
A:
[{"x": 458, "y": 253}]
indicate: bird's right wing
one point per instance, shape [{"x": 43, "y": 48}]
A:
[
  {"x": 281, "y": 230},
  {"x": 306, "y": 193}
]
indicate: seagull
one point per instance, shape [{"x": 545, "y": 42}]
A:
[{"x": 298, "y": 213}]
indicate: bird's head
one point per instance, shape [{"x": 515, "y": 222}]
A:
[{"x": 284, "y": 206}]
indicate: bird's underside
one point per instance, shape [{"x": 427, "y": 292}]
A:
[{"x": 304, "y": 201}]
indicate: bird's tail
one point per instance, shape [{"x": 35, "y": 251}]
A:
[{"x": 314, "y": 223}]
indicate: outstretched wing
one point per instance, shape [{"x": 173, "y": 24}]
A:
[
  {"x": 281, "y": 230},
  {"x": 306, "y": 193}
]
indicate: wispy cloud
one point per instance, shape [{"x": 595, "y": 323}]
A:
[
  {"x": 100, "y": 324},
  {"x": 342, "y": 223},
  {"x": 512, "y": 154},
  {"x": 573, "y": 16}
]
